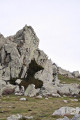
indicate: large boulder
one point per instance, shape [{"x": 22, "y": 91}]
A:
[
  {"x": 8, "y": 89},
  {"x": 48, "y": 89},
  {"x": 31, "y": 91},
  {"x": 76, "y": 117},
  {"x": 76, "y": 74},
  {"x": 68, "y": 89},
  {"x": 20, "y": 58},
  {"x": 19, "y": 117},
  {"x": 67, "y": 111}
]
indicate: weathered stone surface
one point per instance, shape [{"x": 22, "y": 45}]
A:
[
  {"x": 68, "y": 89},
  {"x": 18, "y": 81},
  {"x": 67, "y": 111},
  {"x": 48, "y": 89},
  {"x": 39, "y": 96},
  {"x": 76, "y": 74},
  {"x": 65, "y": 72},
  {"x": 48, "y": 74},
  {"x": 76, "y": 117},
  {"x": 8, "y": 89},
  {"x": 18, "y": 117},
  {"x": 31, "y": 91},
  {"x": 20, "y": 58},
  {"x": 14, "y": 117},
  {"x": 65, "y": 118},
  {"x": 55, "y": 95},
  {"x": 75, "y": 100},
  {"x": 2, "y": 40},
  {"x": 65, "y": 101},
  {"x": 22, "y": 99},
  {"x": 19, "y": 90},
  {"x": 2, "y": 85}
]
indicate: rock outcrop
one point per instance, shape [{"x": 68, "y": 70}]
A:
[
  {"x": 20, "y": 58},
  {"x": 23, "y": 64}
]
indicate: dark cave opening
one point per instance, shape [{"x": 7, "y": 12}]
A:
[{"x": 30, "y": 79}]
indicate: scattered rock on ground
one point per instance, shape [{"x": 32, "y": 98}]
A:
[
  {"x": 67, "y": 111},
  {"x": 65, "y": 101},
  {"x": 75, "y": 100},
  {"x": 22, "y": 99},
  {"x": 18, "y": 117},
  {"x": 39, "y": 96},
  {"x": 46, "y": 98},
  {"x": 76, "y": 117},
  {"x": 14, "y": 117},
  {"x": 56, "y": 95}
]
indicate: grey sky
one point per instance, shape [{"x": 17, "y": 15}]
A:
[{"x": 56, "y": 23}]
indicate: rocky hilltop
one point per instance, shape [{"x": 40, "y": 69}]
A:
[
  {"x": 26, "y": 69},
  {"x": 20, "y": 58}
]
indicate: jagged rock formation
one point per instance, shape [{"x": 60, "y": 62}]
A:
[{"x": 21, "y": 58}]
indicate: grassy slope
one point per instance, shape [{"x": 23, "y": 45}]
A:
[
  {"x": 67, "y": 80},
  {"x": 40, "y": 109}
]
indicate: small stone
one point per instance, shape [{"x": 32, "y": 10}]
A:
[
  {"x": 64, "y": 96},
  {"x": 31, "y": 117},
  {"x": 18, "y": 81},
  {"x": 46, "y": 98},
  {"x": 56, "y": 95},
  {"x": 75, "y": 100},
  {"x": 65, "y": 101},
  {"x": 22, "y": 99},
  {"x": 39, "y": 96}
]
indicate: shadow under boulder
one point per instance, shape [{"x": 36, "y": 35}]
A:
[{"x": 30, "y": 79}]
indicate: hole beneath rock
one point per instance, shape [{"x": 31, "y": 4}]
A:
[{"x": 30, "y": 79}]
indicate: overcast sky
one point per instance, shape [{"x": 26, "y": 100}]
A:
[{"x": 56, "y": 23}]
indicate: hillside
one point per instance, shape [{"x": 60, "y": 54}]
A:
[{"x": 26, "y": 73}]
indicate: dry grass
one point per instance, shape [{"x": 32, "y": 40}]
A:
[{"x": 40, "y": 109}]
